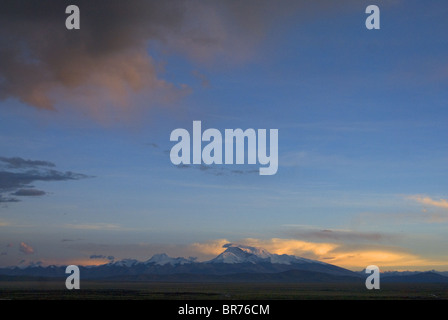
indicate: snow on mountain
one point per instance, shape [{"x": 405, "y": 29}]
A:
[
  {"x": 157, "y": 259},
  {"x": 234, "y": 253},
  {"x": 125, "y": 263},
  {"x": 235, "y": 259},
  {"x": 163, "y": 259},
  {"x": 259, "y": 252},
  {"x": 237, "y": 253}
]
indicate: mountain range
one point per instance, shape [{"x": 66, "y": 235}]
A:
[{"x": 237, "y": 263}]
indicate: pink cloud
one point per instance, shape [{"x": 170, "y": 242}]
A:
[{"x": 26, "y": 248}]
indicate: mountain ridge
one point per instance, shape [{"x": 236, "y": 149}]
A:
[{"x": 237, "y": 263}]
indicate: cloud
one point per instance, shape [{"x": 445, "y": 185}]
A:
[
  {"x": 442, "y": 203},
  {"x": 154, "y": 145},
  {"x": 102, "y": 257},
  {"x": 382, "y": 257},
  {"x": 28, "y": 192},
  {"x": 17, "y": 174},
  {"x": 305, "y": 232},
  {"x": 109, "y": 55},
  {"x": 14, "y": 180},
  {"x": 108, "y": 52},
  {"x": 218, "y": 171},
  {"x": 7, "y": 199},
  {"x": 312, "y": 250},
  {"x": 212, "y": 247},
  {"x": 101, "y": 65},
  {"x": 399, "y": 218},
  {"x": 245, "y": 171},
  {"x": 70, "y": 240},
  {"x": 17, "y": 162},
  {"x": 94, "y": 226},
  {"x": 26, "y": 248}
]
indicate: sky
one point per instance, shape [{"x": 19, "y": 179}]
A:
[{"x": 86, "y": 117}]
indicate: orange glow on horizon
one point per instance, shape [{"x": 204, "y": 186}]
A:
[
  {"x": 332, "y": 253},
  {"x": 76, "y": 261}
]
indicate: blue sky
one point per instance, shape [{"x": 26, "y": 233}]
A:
[{"x": 363, "y": 145}]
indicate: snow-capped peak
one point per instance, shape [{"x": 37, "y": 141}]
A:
[
  {"x": 259, "y": 252},
  {"x": 237, "y": 253},
  {"x": 125, "y": 263},
  {"x": 163, "y": 259}
]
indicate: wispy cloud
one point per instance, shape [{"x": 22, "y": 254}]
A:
[
  {"x": 26, "y": 248},
  {"x": 384, "y": 257},
  {"x": 101, "y": 257},
  {"x": 338, "y": 235},
  {"x": 69, "y": 240},
  {"x": 17, "y": 175},
  {"x": 442, "y": 203},
  {"x": 95, "y": 226},
  {"x": 218, "y": 170},
  {"x": 399, "y": 218},
  {"x": 13, "y": 180},
  {"x": 313, "y": 250},
  {"x": 17, "y": 163},
  {"x": 28, "y": 193},
  {"x": 152, "y": 144},
  {"x": 4, "y": 199},
  {"x": 212, "y": 247}
]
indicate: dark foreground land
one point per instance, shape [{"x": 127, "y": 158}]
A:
[{"x": 102, "y": 290}]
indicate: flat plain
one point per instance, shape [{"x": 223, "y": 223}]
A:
[{"x": 104, "y": 290}]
